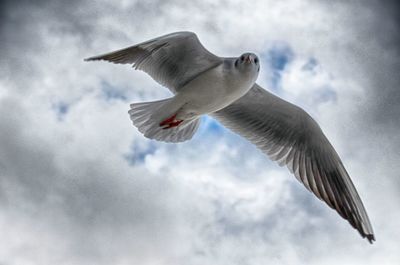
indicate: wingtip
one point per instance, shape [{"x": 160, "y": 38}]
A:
[
  {"x": 371, "y": 238},
  {"x": 94, "y": 58}
]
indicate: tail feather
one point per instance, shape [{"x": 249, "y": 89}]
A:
[{"x": 146, "y": 116}]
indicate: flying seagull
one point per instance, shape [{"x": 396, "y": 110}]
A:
[{"x": 225, "y": 88}]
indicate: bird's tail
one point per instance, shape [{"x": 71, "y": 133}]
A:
[{"x": 148, "y": 117}]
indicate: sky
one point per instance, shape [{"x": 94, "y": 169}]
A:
[{"x": 80, "y": 185}]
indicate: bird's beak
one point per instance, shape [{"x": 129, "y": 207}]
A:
[{"x": 247, "y": 59}]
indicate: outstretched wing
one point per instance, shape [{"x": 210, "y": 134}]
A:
[
  {"x": 172, "y": 60},
  {"x": 287, "y": 134}
]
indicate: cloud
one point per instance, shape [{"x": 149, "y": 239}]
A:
[{"x": 79, "y": 184}]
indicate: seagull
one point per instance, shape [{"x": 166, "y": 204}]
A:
[{"x": 226, "y": 89}]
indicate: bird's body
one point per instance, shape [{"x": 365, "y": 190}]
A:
[
  {"x": 213, "y": 90},
  {"x": 225, "y": 88}
]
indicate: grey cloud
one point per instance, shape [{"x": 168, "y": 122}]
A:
[
  {"x": 92, "y": 209},
  {"x": 86, "y": 188},
  {"x": 376, "y": 26},
  {"x": 383, "y": 62}
]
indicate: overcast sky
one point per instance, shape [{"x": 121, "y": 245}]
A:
[{"x": 80, "y": 185}]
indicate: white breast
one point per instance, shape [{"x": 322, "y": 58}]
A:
[{"x": 215, "y": 89}]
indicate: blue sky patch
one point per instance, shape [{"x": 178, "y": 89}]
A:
[
  {"x": 137, "y": 154},
  {"x": 310, "y": 65},
  {"x": 210, "y": 126},
  {"x": 110, "y": 92},
  {"x": 278, "y": 57},
  {"x": 61, "y": 109},
  {"x": 325, "y": 95}
]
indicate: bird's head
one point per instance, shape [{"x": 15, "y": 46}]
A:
[{"x": 248, "y": 62}]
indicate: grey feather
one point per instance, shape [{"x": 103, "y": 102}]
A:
[
  {"x": 172, "y": 60},
  {"x": 289, "y": 135}
]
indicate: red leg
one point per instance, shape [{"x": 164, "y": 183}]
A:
[
  {"x": 168, "y": 120},
  {"x": 173, "y": 124}
]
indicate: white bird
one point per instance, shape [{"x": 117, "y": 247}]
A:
[{"x": 225, "y": 88}]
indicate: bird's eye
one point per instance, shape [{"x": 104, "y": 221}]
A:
[
  {"x": 242, "y": 58},
  {"x": 256, "y": 60}
]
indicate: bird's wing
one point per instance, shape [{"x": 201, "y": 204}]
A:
[
  {"x": 172, "y": 60},
  {"x": 287, "y": 134}
]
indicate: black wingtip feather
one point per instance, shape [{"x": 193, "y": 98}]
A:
[
  {"x": 90, "y": 59},
  {"x": 371, "y": 238}
]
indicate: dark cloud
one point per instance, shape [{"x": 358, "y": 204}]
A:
[
  {"x": 86, "y": 189},
  {"x": 376, "y": 26},
  {"x": 383, "y": 63},
  {"x": 80, "y": 205},
  {"x": 378, "y": 51}
]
